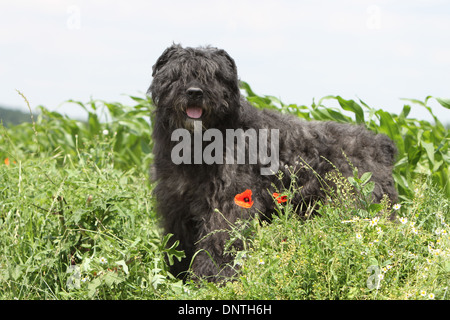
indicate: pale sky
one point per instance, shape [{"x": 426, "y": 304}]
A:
[{"x": 378, "y": 51}]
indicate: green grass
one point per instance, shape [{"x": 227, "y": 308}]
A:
[
  {"x": 77, "y": 218},
  {"x": 341, "y": 255}
]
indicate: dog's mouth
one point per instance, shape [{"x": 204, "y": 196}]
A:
[{"x": 194, "y": 112}]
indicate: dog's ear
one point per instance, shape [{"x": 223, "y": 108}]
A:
[
  {"x": 162, "y": 60},
  {"x": 230, "y": 59}
]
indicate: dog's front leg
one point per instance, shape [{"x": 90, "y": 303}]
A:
[{"x": 211, "y": 262}]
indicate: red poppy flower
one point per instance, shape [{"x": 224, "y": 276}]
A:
[
  {"x": 279, "y": 197},
  {"x": 7, "y": 161},
  {"x": 244, "y": 199}
]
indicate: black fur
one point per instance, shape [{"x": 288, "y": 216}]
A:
[{"x": 188, "y": 194}]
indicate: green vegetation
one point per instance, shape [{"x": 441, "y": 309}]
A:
[{"x": 77, "y": 218}]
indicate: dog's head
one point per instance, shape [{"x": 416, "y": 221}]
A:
[{"x": 192, "y": 84}]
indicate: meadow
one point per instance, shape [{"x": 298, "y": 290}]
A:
[{"x": 77, "y": 218}]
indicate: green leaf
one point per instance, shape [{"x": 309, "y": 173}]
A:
[
  {"x": 352, "y": 181},
  {"x": 375, "y": 207},
  {"x": 94, "y": 123},
  {"x": 155, "y": 278},
  {"x": 124, "y": 265},
  {"x": 85, "y": 265},
  {"x": 171, "y": 252},
  {"x": 444, "y": 102},
  {"x": 368, "y": 188},
  {"x": 414, "y": 154},
  {"x": 138, "y": 99},
  {"x": 337, "y": 116},
  {"x": 16, "y": 272},
  {"x": 329, "y": 114},
  {"x": 112, "y": 278},
  {"x": 244, "y": 85},
  {"x": 429, "y": 148},
  {"x": 366, "y": 177},
  {"x": 423, "y": 104},
  {"x": 405, "y": 112},
  {"x": 352, "y": 106},
  {"x": 373, "y": 261},
  {"x": 414, "y": 101},
  {"x": 92, "y": 287},
  {"x": 388, "y": 126}
]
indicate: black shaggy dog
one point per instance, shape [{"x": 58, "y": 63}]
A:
[{"x": 196, "y": 90}]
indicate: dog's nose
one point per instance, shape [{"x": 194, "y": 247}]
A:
[{"x": 194, "y": 92}]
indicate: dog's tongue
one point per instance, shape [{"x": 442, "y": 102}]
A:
[{"x": 194, "y": 112}]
